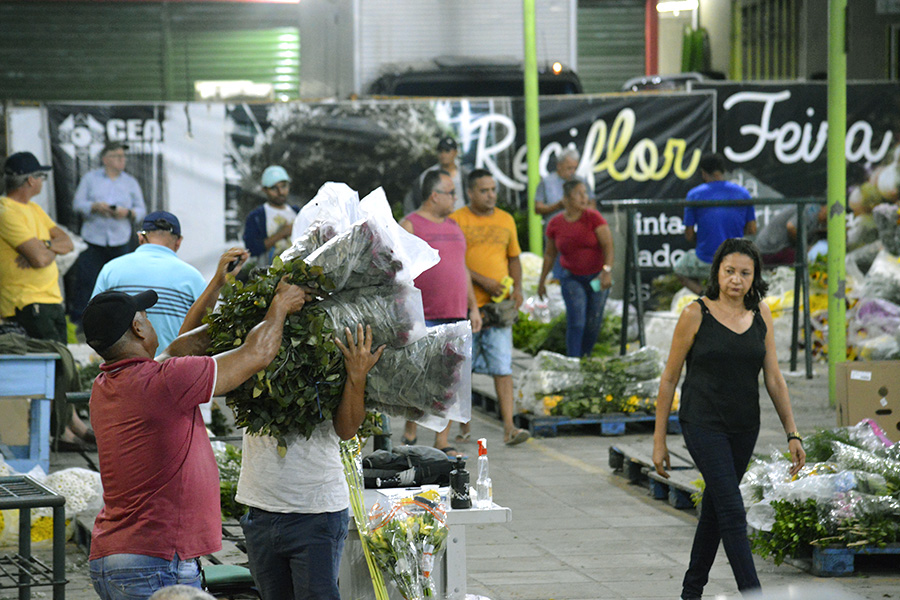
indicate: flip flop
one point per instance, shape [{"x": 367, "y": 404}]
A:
[
  {"x": 407, "y": 442},
  {"x": 518, "y": 436},
  {"x": 452, "y": 452},
  {"x": 463, "y": 438}
]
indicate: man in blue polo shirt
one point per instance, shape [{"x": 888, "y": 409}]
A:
[
  {"x": 153, "y": 265},
  {"x": 709, "y": 226}
]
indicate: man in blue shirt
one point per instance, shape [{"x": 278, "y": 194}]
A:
[
  {"x": 709, "y": 226},
  {"x": 267, "y": 230},
  {"x": 109, "y": 201},
  {"x": 154, "y": 266}
]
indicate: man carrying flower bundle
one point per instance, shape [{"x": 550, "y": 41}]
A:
[
  {"x": 492, "y": 254},
  {"x": 160, "y": 479},
  {"x": 297, "y": 496},
  {"x": 447, "y": 292}
]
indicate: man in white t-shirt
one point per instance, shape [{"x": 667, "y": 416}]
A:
[{"x": 267, "y": 231}]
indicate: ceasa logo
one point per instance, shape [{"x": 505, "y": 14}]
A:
[{"x": 83, "y": 135}]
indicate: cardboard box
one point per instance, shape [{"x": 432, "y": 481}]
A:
[
  {"x": 869, "y": 390},
  {"x": 16, "y": 421}
]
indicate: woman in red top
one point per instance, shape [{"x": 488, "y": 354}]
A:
[{"x": 584, "y": 243}]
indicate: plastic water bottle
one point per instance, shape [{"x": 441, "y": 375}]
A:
[{"x": 483, "y": 483}]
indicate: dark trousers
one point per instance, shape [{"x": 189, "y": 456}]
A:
[
  {"x": 722, "y": 459},
  {"x": 43, "y": 321},
  {"x": 295, "y": 556},
  {"x": 87, "y": 268}
]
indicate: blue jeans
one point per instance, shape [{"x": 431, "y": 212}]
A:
[
  {"x": 295, "y": 555},
  {"x": 584, "y": 312},
  {"x": 722, "y": 459},
  {"x": 136, "y": 576}
]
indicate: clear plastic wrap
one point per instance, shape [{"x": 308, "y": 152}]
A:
[
  {"x": 309, "y": 241},
  {"x": 859, "y": 506},
  {"x": 407, "y": 537},
  {"x": 414, "y": 253},
  {"x": 883, "y": 278},
  {"x": 335, "y": 204},
  {"x": 432, "y": 376},
  {"x": 852, "y": 458},
  {"x": 374, "y": 251},
  {"x": 886, "y": 219},
  {"x": 394, "y": 312},
  {"x": 641, "y": 365}
]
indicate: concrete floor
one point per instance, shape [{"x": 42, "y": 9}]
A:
[{"x": 580, "y": 531}]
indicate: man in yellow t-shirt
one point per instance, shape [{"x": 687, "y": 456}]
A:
[
  {"x": 492, "y": 254},
  {"x": 29, "y": 243}
]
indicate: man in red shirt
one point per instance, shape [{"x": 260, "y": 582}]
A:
[{"x": 160, "y": 479}]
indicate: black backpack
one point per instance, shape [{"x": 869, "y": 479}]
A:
[{"x": 406, "y": 466}]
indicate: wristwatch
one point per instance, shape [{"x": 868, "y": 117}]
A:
[
  {"x": 794, "y": 435},
  {"x": 607, "y": 268}
]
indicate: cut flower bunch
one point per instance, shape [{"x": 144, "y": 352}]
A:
[{"x": 361, "y": 262}]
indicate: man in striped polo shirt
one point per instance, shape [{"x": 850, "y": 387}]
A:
[{"x": 154, "y": 265}]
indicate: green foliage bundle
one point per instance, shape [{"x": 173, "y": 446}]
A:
[
  {"x": 229, "y": 462},
  {"x": 797, "y": 525},
  {"x": 302, "y": 386}
]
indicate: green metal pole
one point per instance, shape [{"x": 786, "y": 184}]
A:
[
  {"x": 532, "y": 126},
  {"x": 837, "y": 185}
]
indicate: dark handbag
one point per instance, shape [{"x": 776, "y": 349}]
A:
[{"x": 499, "y": 314}]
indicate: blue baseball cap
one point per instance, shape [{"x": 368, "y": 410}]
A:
[
  {"x": 162, "y": 221},
  {"x": 273, "y": 175}
]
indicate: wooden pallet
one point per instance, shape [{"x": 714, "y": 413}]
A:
[
  {"x": 832, "y": 561},
  {"x": 610, "y": 424},
  {"x": 636, "y": 461},
  {"x": 677, "y": 489}
]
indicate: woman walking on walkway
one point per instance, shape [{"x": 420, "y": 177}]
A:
[
  {"x": 584, "y": 243},
  {"x": 726, "y": 338}
]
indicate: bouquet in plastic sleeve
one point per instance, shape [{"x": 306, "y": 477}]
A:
[
  {"x": 311, "y": 240},
  {"x": 432, "y": 376},
  {"x": 335, "y": 205},
  {"x": 394, "y": 312},
  {"x": 406, "y": 537}
]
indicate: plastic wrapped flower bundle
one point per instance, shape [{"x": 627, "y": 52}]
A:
[
  {"x": 407, "y": 536},
  {"x": 560, "y": 385},
  {"x": 364, "y": 271},
  {"x": 428, "y": 377},
  {"x": 847, "y": 495}
]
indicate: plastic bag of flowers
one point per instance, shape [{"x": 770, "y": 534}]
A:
[
  {"x": 407, "y": 536},
  {"x": 394, "y": 312},
  {"x": 432, "y": 376},
  {"x": 849, "y": 457},
  {"x": 373, "y": 251},
  {"x": 335, "y": 204}
]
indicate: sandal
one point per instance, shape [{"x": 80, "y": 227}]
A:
[
  {"x": 518, "y": 436},
  {"x": 408, "y": 442},
  {"x": 463, "y": 438},
  {"x": 452, "y": 452}
]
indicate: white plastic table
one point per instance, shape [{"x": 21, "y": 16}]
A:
[{"x": 449, "y": 574}]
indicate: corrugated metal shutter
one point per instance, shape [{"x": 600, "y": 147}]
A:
[
  {"x": 402, "y": 31},
  {"x": 143, "y": 51},
  {"x": 610, "y": 43}
]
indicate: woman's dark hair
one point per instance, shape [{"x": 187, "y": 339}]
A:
[
  {"x": 570, "y": 185},
  {"x": 757, "y": 289}
]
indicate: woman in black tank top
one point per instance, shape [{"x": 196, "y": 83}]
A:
[{"x": 725, "y": 338}]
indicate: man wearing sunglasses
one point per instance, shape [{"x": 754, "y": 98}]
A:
[
  {"x": 29, "y": 243},
  {"x": 154, "y": 266},
  {"x": 109, "y": 201}
]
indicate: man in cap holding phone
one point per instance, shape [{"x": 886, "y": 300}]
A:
[{"x": 109, "y": 201}]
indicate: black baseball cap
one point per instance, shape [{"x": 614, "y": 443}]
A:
[
  {"x": 109, "y": 315},
  {"x": 23, "y": 163},
  {"x": 162, "y": 221},
  {"x": 447, "y": 143}
]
